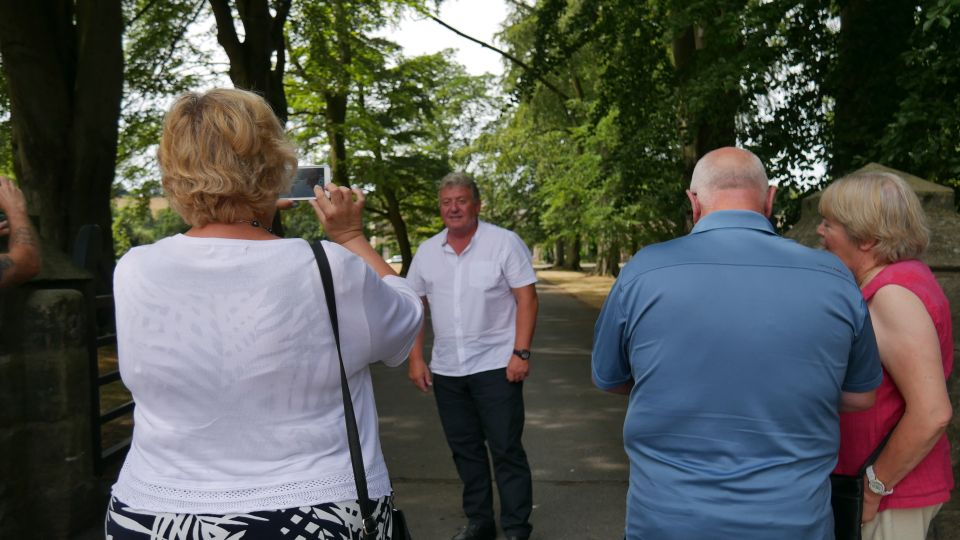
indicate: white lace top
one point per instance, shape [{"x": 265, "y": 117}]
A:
[{"x": 227, "y": 348}]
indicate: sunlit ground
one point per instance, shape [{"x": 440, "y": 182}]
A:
[{"x": 589, "y": 289}]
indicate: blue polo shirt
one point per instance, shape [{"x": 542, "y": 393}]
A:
[{"x": 739, "y": 342}]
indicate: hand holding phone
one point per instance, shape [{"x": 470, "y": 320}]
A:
[
  {"x": 340, "y": 212},
  {"x": 307, "y": 177}
]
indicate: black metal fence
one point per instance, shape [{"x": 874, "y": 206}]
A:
[{"x": 101, "y": 333}]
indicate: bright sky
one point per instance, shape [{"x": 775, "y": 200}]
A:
[{"x": 480, "y": 19}]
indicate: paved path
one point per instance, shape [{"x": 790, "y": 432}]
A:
[{"x": 573, "y": 438}]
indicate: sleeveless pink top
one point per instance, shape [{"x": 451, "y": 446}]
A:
[{"x": 860, "y": 432}]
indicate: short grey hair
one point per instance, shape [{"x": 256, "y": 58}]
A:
[
  {"x": 460, "y": 179},
  {"x": 723, "y": 169}
]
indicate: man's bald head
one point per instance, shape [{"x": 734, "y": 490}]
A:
[{"x": 730, "y": 179}]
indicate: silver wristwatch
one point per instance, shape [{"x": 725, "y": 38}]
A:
[{"x": 875, "y": 484}]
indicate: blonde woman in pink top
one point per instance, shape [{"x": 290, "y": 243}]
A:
[{"x": 876, "y": 225}]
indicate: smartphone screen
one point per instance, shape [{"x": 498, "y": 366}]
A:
[{"x": 307, "y": 177}]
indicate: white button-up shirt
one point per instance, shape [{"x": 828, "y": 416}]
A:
[{"x": 472, "y": 306}]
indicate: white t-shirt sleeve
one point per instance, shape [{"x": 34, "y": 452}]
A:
[
  {"x": 394, "y": 325},
  {"x": 392, "y": 310},
  {"x": 518, "y": 265},
  {"x": 123, "y": 282}
]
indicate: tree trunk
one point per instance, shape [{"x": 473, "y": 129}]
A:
[
  {"x": 399, "y": 226},
  {"x": 874, "y": 34},
  {"x": 63, "y": 63},
  {"x": 257, "y": 63},
  {"x": 575, "y": 254},
  {"x": 560, "y": 255},
  {"x": 684, "y": 51},
  {"x": 336, "y": 101},
  {"x": 336, "y": 113},
  {"x": 568, "y": 254},
  {"x": 608, "y": 264},
  {"x": 715, "y": 126}
]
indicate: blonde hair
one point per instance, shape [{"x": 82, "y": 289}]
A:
[
  {"x": 224, "y": 156},
  {"x": 881, "y": 207}
]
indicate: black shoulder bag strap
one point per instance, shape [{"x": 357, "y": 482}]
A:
[
  {"x": 353, "y": 435},
  {"x": 876, "y": 451}
]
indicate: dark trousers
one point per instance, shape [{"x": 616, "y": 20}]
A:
[{"x": 485, "y": 407}]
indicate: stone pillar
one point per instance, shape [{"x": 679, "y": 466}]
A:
[
  {"x": 47, "y": 485},
  {"x": 943, "y": 256}
]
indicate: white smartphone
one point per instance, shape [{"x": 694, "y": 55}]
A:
[{"x": 307, "y": 177}]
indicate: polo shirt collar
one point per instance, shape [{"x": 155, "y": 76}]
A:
[{"x": 733, "y": 219}]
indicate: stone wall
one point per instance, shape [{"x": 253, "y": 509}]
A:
[
  {"x": 943, "y": 256},
  {"x": 47, "y": 485}
]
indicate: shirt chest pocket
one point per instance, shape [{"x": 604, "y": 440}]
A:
[{"x": 484, "y": 274}]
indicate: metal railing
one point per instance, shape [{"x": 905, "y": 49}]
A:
[{"x": 101, "y": 316}]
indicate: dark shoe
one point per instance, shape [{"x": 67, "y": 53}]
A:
[{"x": 477, "y": 531}]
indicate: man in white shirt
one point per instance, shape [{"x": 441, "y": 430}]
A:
[{"x": 478, "y": 281}]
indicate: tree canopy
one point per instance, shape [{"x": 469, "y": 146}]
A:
[
  {"x": 584, "y": 146},
  {"x": 640, "y": 90}
]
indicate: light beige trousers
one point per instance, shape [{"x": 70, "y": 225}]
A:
[{"x": 900, "y": 524}]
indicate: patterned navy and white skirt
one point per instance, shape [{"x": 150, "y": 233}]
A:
[{"x": 327, "y": 521}]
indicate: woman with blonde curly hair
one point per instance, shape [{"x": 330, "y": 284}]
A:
[
  {"x": 876, "y": 225},
  {"x": 225, "y": 342}
]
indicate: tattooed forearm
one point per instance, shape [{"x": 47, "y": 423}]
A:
[
  {"x": 6, "y": 263},
  {"x": 24, "y": 236},
  {"x": 22, "y": 261}
]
